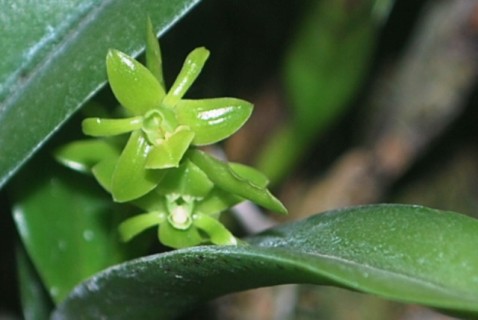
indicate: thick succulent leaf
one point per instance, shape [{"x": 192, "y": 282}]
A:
[
  {"x": 53, "y": 61},
  {"x": 225, "y": 178},
  {"x": 405, "y": 253},
  {"x": 67, "y": 225},
  {"x": 135, "y": 87},
  {"x": 98, "y": 127},
  {"x": 189, "y": 72},
  {"x": 213, "y": 120},
  {"x": 130, "y": 178}
]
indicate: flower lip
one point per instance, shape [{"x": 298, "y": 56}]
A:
[{"x": 180, "y": 217}]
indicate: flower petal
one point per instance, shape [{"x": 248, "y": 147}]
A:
[
  {"x": 217, "y": 201},
  {"x": 131, "y": 179},
  {"x": 83, "y": 155},
  {"x": 169, "y": 152},
  {"x": 154, "y": 61},
  {"x": 218, "y": 234},
  {"x": 250, "y": 173},
  {"x": 225, "y": 178},
  {"x": 137, "y": 224},
  {"x": 213, "y": 120},
  {"x": 133, "y": 84},
  {"x": 190, "y": 71},
  {"x": 103, "y": 172},
  {"x": 186, "y": 180},
  {"x": 175, "y": 238},
  {"x": 98, "y": 127}
]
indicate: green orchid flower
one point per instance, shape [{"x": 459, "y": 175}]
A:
[
  {"x": 176, "y": 206},
  {"x": 180, "y": 189},
  {"x": 162, "y": 125},
  {"x": 187, "y": 202}
]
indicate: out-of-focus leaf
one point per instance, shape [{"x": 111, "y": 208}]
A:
[
  {"x": 405, "y": 253},
  {"x": 53, "y": 57},
  {"x": 67, "y": 224},
  {"x": 322, "y": 71}
]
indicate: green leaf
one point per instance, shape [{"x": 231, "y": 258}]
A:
[
  {"x": 130, "y": 178},
  {"x": 135, "y": 87},
  {"x": 53, "y": 61},
  {"x": 190, "y": 71},
  {"x": 225, "y": 178},
  {"x": 404, "y": 253},
  {"x": 213, "y": 120},
  {"x": 67, "y": 225}
]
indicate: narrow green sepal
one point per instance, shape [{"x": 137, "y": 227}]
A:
[
  {"x": 213, "y": 120},
  {"x": 103, "y": 172},
  {"x": 190, "y": 71},
  {"x": 171, "y": 150},
  {"x": 133, "y": 226},
  {"x": 217, "y": 201},
  {"x": 186, "y": 180},
  {"x": 218, "y": 234},
  {"x": 154, "y": 61},
  {"x": 98, "y": 127},
  {"x": 84, "y": 154},
  {"x": 250, "y": 173},
  {"x": 175, "y": 238},
  {"x": 225, "y": 178},
  {"x": 135, "y": 87},
  {"x": 131, "y": 179}
]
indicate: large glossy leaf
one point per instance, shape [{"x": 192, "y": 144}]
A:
[
  {"x": 53, "y": 59},
  {"x": 404, "y": 253},
  {"x": 67, "y": 225}
]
